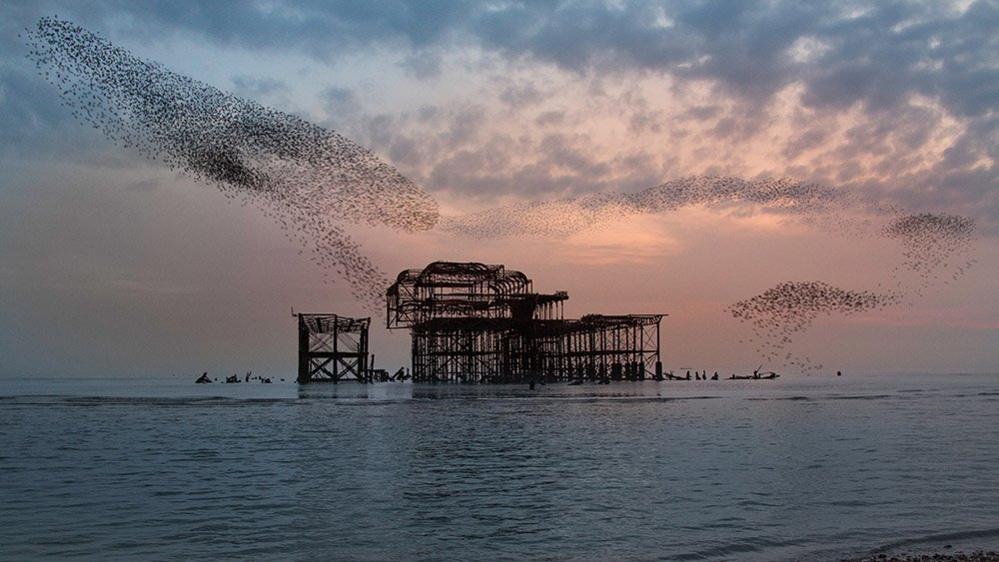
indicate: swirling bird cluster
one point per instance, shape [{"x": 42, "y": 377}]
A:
[
  {"x": 309, "y": 179},
  {"x": 570, "y": 215},
  {"x": 788, "y": 308},
  {"x": 933, "y": 247}
]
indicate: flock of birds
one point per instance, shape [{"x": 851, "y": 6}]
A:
[
  {"x": 933, "y": 248},
  {"x": 570, "y": 215},
  {"x": 779, "y": 313},
  {"x": 312, "y": 181},
  {"x": 309, "y": 179},
  {"x": 934, "y": 245}
]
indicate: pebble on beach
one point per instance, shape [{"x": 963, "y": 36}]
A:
[{"x": 974, "y": 556}]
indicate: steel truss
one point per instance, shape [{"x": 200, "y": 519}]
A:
[
  {"x": 332, "y": 348},
  {"x": 477, "y": 323}
]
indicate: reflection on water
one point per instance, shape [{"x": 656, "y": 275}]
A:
[{"x": 808, "y": 467}]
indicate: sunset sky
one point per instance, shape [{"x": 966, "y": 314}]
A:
[{"x": 111, "y": 264}]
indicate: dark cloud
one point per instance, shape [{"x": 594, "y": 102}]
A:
[
  {"x": 646, "y": 121},
  {"x": 520, "y": 95},
  {"x": 550, "y": 118},
  {"x": 257, "y": 87},
  {"x": 553, "y": 164},
  {"x": 320, "y": 28},
  {"x": 805, "y": 140},
  {"x": 342, "y": 104},
  {"x": 26, "y": 108},
  {"x": 702, "y": 112},
  {"x": 423, "y": 64},
  {"x": 872, "y": 56},
  {"x": 876, "y": 57},
  {"x": 35, "y": 126}
]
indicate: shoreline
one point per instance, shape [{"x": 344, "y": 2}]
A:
[{"x": 935, "y": 556}]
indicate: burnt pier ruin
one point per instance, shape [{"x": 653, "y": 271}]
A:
[
  {"x": 332, "y": 348},
  {"x": 478, "y": 323}
]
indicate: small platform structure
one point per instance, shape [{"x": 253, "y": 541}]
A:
[{"x": 332, "y": 348}]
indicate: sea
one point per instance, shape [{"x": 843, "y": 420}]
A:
[{"x": 799, "y": 468}]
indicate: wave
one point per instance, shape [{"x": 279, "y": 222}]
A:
[{"x": 939, "y": 537}]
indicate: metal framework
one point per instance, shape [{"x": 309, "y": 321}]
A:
[
  {"x": 477, "y": 323},
  {"x": 332, "y": 348}
]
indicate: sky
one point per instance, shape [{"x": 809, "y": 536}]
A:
[{"x": 111, "y": 264}]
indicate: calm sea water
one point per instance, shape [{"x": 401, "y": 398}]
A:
[{"x": 811, "y": 468}]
